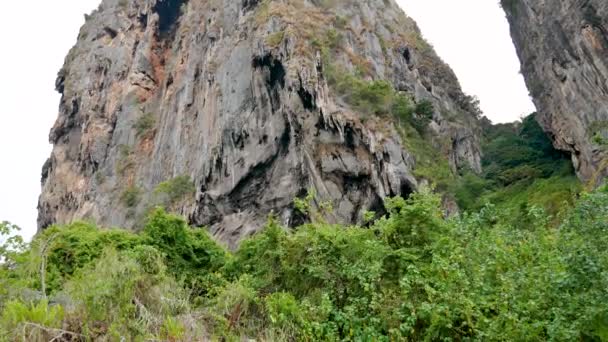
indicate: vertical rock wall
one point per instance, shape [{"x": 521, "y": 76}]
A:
[
  {"x": 563, "y": 48},
  {"x": 226, "y": 106}
]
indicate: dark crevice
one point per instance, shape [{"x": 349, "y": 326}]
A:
[
  {"x": 46, "y": 170},
  {"x": 297, "y": 217},
  {"x": 169, "y": 12},
  {"x": 405, "y": 52},
  {"x": 246, "y": 192},
  {"x": 250, "y": 4},
  {"x": 60, "y": 83},
  {"x": 277, "y": 71},
  {"x": 111, "y": 32},
  {"x": 321, "y": 125},
  {"x": 308, "y": 100},
  {"x": 143, "y": 21},
  {"x": 320, "y": 69},
  {"x": 74, "y": 111},
  {"x": 274, "y": 74},
  {"x": 590, "y": 14},
  {"x": 354, "y": 184},
  {"x": 135, "y": 48},
  {"x": 219, "y": 163},
  {"x": 349, "y": 137},
  {"x": 239, "y": 139},
  {"x": 377, "y": 207},
  {"x": 406, "y": 190}
]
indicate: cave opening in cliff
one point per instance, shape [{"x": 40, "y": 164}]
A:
[
  {"x": 406, "y": 190},
  {"x": 407, "y": 55},
  {"x": 169, "y": 11}
]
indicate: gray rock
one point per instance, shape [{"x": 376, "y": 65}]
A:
[
  {"x": 563, "y": 49},
  {"x": 250, "y": 120}
]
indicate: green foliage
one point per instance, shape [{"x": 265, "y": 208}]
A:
[
  {"x": 275, "y": 39},
  {"x": 172, "y": 330},
  {"x": 33, "y": 321},
  {"x": 11, "y": 248},
  {"x": 431, "y": 163},
  {"x": 410, "y": 275},
  {"x": 119, "y": 292},
  {"x": 598, "y": 132},
  {"x": 10, "y": 242},
  {"x": 73, "y": 247},
  {"x": 176, "y": 189},
  {"x": 521, "y": 169},
  {"x": 379, "y": 98},
  {"x": 190, "y": 254},
  {"x": 144, "y": 125},
  {"x": 311, "y": 208},
  {"x": 130, "y": 197},
  {"x": 422, "y": 115},
  {"x": 368, "y": 98},
  {"x": 527, "y": 146},
  {"x": 374, "y": 97}
]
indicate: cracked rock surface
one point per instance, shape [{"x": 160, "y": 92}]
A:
[
  {"x": 232, "y": 95},
  {"x": 563, "y": 49}
]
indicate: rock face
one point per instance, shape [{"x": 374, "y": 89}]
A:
[
  {"x": 228, "y": 103},
  {"x": 563, "y": 48}
]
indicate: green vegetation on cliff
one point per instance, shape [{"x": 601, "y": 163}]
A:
[
  {"x": 521, "y": 169},
  {"x": 411, "y": 275}
]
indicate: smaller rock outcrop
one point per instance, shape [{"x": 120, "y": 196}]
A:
[{"x": 563, "y": 48}]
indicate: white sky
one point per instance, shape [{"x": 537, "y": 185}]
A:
[
  {"x": 36, "y": 37},
  {"x": 471, "y": 35}
]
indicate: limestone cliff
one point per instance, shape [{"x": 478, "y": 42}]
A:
[
  {"x": 563, "y": 48},
  {"x": 225, "y": 111}
]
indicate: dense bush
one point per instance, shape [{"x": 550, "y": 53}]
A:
[
  {"x": 175, "y": 189},
  {"x": 411, "y": 275},
  {"x": 521, "y": 169}
]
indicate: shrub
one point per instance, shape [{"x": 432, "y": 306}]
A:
[
  {"x": 58, "y": 252},
  {"x": 130, "y": 197},
  {"x": 176, "y": 189},
  {"x": 118, "y": 291},
  {"x": 172, "y": 330},
  {"x": 190, "y": 253},
  {"x": 285, "y": 314},
  {"x": 411, "y": 275},
  {"x": 424, "y": 112},
  {"x": 144, "y": 125},
  {"x": 236, "y": 308},
  {"x": 12, "y": 248},
  {"x": 402, "y": 108},
  {"x": 33, "y": 321}
]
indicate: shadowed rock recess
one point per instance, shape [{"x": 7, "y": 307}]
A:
[
  {"x": 563, "y": 48},
  {"x": 234, "y": 97}
]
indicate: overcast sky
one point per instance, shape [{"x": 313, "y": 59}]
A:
[
  {"x": 36, "y": 36},
  {"x": 472, "y": 36}
]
